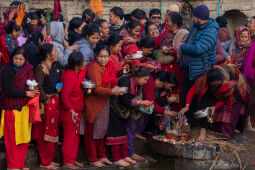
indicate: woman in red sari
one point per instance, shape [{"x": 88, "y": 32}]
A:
[
  {"x": 72, "y": 98},
  {"x": 48, "y": 74},
  {"x": 102, "y": 72}
]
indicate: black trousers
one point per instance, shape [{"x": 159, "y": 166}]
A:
[{"x": 187, "y": 84}]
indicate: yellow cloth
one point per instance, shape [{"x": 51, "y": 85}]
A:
[
  {"x": 96, "y": 6},
  {"x": 22, "y": 125}
]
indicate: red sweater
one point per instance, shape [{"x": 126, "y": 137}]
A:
[
  {"x": 149, "y": 94},
  {"x": 72, "y": 95},
  {"x": 192, "y": 93}
]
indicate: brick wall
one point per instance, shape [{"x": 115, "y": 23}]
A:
[{"x": 71, "y": 9}]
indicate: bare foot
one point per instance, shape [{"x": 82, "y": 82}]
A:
[
  {"x": 237, "y": 131},
  {"x": 98, "y": 164},
  {"x": 80, "y": 165},
  {"x": 128, "y": 159},
  {"x": 70, "y": 166},
  {"x": 137, "y": 136},
  {"x": 51, "y": 166},
  {"x": 122, "y": 163},
  {"x": 202, "y": 137},
  {"x": 105, "y": 161},
  {"x": 137, "y": 157},
  {"x": 25, "y": 168},
  {"x": 55, "y": 164}
]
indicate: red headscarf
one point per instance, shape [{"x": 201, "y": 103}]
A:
[{"x": 239, "y": 31}]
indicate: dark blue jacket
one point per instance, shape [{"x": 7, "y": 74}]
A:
[{"x": 201, "y": 50}]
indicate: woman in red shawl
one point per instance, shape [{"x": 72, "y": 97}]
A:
[
  {"x": 102, "y": 72},
  {"x": 223, "y": 89},
  {"x": 236, "y": 50}
]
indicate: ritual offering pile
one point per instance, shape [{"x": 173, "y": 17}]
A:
[{"x": 174, "y": 137}]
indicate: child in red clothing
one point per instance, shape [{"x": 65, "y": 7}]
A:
[{"x": 72, "y": 99}]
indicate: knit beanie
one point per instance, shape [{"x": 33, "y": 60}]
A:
[{"x": 201, "y": 12}]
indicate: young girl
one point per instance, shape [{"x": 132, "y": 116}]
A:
[
  {"x": 75, "y": 29},
  {"x": 15, "y": 125},
  {"x": 72, "y": 99},
  {"x": 102, "y": 72},
  {"x": 131, "y": 32},
  {"x": 91, "y": 36},
  {"x": 115, "y": 43},
  {"x": 48, "y": 74}
]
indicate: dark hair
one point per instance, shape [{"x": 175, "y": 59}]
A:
[
  {"x": 132, "y": 24},
  {"x": 101, "y": 47},
  {"x": 146, "y": 42},
  {"x": 90, "y": 29},
  {"x": 171, "y": 78},
  {"x": 141, "y": 71},
  {"x": 214, "y": 74},
  {"x": 99, "y": 22},
  {"x": 11, "y": 26},
  {"x": 60, "y": 17},
  {"x": 75, "y": 22},
  {"x": 139, "y": 14},
  {"x": 88, "y": 16},
  {"x": 161, "y": 75},
  {"x": 16, "y": 51},
  {"x": 117, "y": 11},
  {"x": 221, "y": 21},
  {"x": 35, "y": 36},
  {"x": 33, "y": 15},
  {"x": 27, "y": 28},
  {"x": 114, "y": 39},
  {"x": 46, "y": 50},
  {"x": 75, "y": 59},
  {"x": 253, "y": 17},
  {"x": 176, "y": 18},
  {"x": 147, "y": 25},
  {"x": 154, "y": 11},
  {"x": 15, "y": 3}
]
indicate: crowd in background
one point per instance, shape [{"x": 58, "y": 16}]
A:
[{"x": 165, "y": 70}]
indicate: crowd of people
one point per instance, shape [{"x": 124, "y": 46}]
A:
[{"x": 143, "y": 69}]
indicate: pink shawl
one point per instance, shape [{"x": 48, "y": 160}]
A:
[{"x": 248, "y": 70}]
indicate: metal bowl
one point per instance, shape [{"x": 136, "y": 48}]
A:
[
  {"x": 89, "y": 85},
  {"x": 203, "y": 113},
  {"x": 32, "y": 87},
  {"x": 124, "y": 89}
]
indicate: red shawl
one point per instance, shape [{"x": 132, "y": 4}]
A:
[{"x": 109, "y": 74}]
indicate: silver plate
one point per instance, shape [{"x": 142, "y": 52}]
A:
[
  {"x": 202, "y": 113},
  {"x": 89, "y": 85}
]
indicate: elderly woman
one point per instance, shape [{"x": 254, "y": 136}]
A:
[
  {"x": 102, "y": 72},
  {"x": 48, "y": 74},
  {"x": 151, "y": 30},
  {"x": 15, "y": 125},
  {"x": 236, "y": 50},
  {"x": 224, "y": 94}
]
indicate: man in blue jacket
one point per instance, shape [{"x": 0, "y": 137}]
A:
[{"x": 199, "y": 49}]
